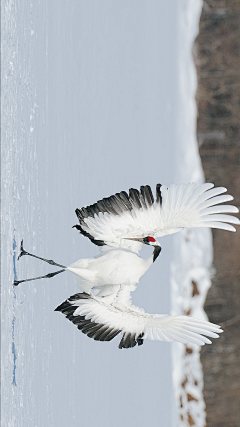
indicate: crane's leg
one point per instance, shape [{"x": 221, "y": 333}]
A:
[
  {"x": 49, "y": 261},
  {"x": 16, "y": 282}
]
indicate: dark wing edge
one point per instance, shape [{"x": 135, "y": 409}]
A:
[
  {"x": 117, "y": 205},
  {"x": 97, "y": 331},
  {"x": 84, "y": 233}
]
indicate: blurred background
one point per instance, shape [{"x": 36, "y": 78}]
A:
[{"x": 217, "y": 58}]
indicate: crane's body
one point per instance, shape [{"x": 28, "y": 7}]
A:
[
  {"x": 114, "y": 267},
  {"x": 119, "y": 225}
]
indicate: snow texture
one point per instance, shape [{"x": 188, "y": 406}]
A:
[
  {"x": 85, "y": 101},
  {"x": 191, "y": 269}
]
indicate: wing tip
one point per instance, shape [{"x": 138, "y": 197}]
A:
[{"x": 129, "y": 340}]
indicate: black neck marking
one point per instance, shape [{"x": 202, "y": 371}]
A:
[{"x": 156, "y": 252}]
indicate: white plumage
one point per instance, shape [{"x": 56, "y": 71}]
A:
[
  {"x": 119, "y": 225},
  {"x": 115, "y": 267},
  {"x": 102, "y": 320},
  {"x": 113, "y": 220}
]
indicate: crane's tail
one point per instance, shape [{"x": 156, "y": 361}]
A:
[{"x": 103, "y": 322}]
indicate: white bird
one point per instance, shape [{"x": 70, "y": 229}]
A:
[{"x": 120, "y": 224}]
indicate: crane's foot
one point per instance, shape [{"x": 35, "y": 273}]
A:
[
  {"x": 22, "y": 251},
  {"x": 16, "y": 282},
  {"x": 49, "y": 261}
]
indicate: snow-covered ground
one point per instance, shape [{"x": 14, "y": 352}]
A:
[
  {"x": 192, "y": 259},
  {"x": 97, "y": 97}
]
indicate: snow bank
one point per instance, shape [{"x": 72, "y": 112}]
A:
[{"x": 190, "y": 269}]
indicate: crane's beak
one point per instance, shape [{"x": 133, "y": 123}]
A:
[
  {"x": 137, "y": 239},
  {"x": 133, "y": 238}
]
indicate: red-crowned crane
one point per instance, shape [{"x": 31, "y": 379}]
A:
[{"x": 120, "y": 224}]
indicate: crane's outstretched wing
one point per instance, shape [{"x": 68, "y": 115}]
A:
[
  {"x": 137, "y": 214},
  {"x": 103, "y": 322}
]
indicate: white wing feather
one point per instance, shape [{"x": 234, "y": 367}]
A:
[
  {"x": 184, "y": 205},
  {"x": 134, "y": 322}
]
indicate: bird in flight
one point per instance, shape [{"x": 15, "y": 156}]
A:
[{"x": 120, "y": 225}]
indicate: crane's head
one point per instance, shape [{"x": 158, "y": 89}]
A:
[{"x": 149, "y": 240}]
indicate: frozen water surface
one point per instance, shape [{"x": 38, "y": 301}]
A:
[{"x": 93, "y": 102}]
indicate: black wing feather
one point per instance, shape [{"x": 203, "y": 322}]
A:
[
  {"x": 130, "y": 340},
  {"x": 158, "y": 194},
  {"x": 116, "y": 205},
  {"x": 147, "y": 195},
  {"x": 134, "y": 197},
  {"x": 125, "y": 200},
  {"x": 97, "y": 331}
]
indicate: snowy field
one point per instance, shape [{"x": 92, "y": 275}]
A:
[{"x": 97, "y": 97}]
